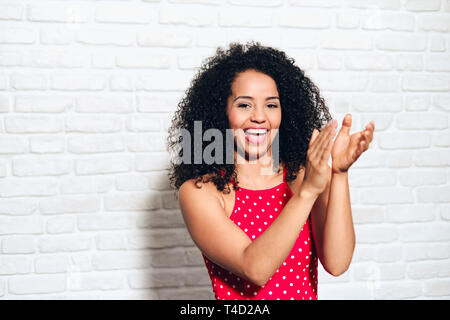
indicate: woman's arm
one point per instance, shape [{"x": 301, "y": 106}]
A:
[
  {"x": 228, "y": 246},
  {"x": 333, "y": 225}
]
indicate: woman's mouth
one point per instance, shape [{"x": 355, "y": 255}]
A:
[{"x": 256, "y": 136}]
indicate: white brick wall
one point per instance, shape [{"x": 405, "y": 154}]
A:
[{"x": 87, "y": 90}]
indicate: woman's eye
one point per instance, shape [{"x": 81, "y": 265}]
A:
[
  {"x": 273, "y": 106},
  {"x": 239, "y": 106}
]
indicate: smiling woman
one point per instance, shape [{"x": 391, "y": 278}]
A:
[{"x": 262, "y": 224}]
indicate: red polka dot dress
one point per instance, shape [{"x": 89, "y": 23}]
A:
[{"x": 296, "y": 278}]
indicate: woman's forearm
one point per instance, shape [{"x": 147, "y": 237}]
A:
[
  {"x": 266, "y": 254},
  {"x": 338, "y": 233}
]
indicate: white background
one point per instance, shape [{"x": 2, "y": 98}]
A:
[{"x": 87, "y": 90}]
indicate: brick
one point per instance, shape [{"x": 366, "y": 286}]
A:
[
  {"x": 80, "y": 185},
  {"x": 363, "y": 214},
  {"x": 207, "y": 17},
  {"x": 136, "y": 201},
  {"x": 377, "y": 103},
  {"x": 384, "y": 83},
  {"x": 437, "y": 44},
  {"x": 57, "y": 13},
  {"x": 21, "y": 225},
  {"x": 401, "y": 42},
  {"x": 426, "y": 251},
  {"x": 78, "y": 82},
  {"x": 17, "y": 35},
  {"x": 146, "y": 142},
  {"x": 442, "y": 102},
  {"x": 434, "y": 23},
  {"x": 143, "y": 123},
  {"x": 58, "y": 225},
  {"x": 433, "y": 193},
  {"x": 409, "y": 62},
  {"x": 157, "y": 279},
  {"x": 79, "y": 281},
  {"x": 51, "y": 264},
  {"x": 337, "y": 81},
  {"x": 10, "y": 11},
  {"x": 413, "y": 178},
  {"x": 157, "y": 161},
  {"x": 18, "y": 244},
  {"x": 437, "y": 288},
  {"x": 10, "y": 265},
  {"x": 34, "y": 284},
  {"x": 28, "y": 187},
  {"x": 255, "y": 3},
  {"x": 375, "y": 234},
  {"x": 46, "y": 144},
  {"x": 106, "y": 37},
  {"x": 344, "y": 291},
  {"x": 421, "y": 121},
  {"x": 417, "y": 102},
  {"x": 93, "y": 124},
  {"x": 111, "y": 242},
  {"x": 442, "y": 139},
  {"x": 425, "y": 83},
  {"x": 445, "y": 212},
  {"x": 120, "y": 260},
  {"x": 375, "y": 4},
  {"x": 33, "y": 124},
  {"x": 102, "y": 165},
  {"x": 106, "y": 104},
  {"x": 146, "y": 60},
  {"x": 428, "y": 269},
  {"x": 81, "y": 144},
  {"x": 403, "y": 140},
  {"x": 122, "y": 13},
  {"x": 158, "y": 37},
  {"x": 70, "y": 204},
  {"x": 158, "y": 219},
  {"x": 389, "y": 253},
  {"x": 394, "y": 21},
  {"x": 432, "y": 158},
  {"x": 410, "y": 213},
  {"x": 13, "y": 145},
  {"x": 18, "y": 207},
  {"x": 432, "y": 231},
  {"x": 105, "y": 221},
  {"x": 44, "y": 104},
  {"x": 437, "y": 62},
  {"x": 398, "y": 290},
  {"x": 22, "y": 81},
  {"x": 368, "y": 61},
  {"x": 56, "y": 35},
  {"x": 64, "y": 243},
  {"x": 379, "y": 272},
  {"x": 372, "y": 178},
  {"x": 304, "y": 18},
  {"x": 420, "y": 5},
  {"x": 159, "y": 238},
  {"x": 41, "y": 167},
  {"x": 348, "y": 20},
  {"x": 346, "y": 40}
]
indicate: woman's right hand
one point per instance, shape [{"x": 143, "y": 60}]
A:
[{"x": 317, "y": 169}]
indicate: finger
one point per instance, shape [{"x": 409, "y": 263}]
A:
[
  {"x": 327, "y": 152},
  {"x": 326, "y": 141},
  {"x": 313, "y": 136},
  {"x": 322, "y": 135},
  {"x": 346, "y": 124}
]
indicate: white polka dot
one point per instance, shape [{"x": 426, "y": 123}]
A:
[
  {"x": 268, "y": 203},
  {"x": 270, "y": 292},
  {"x": 284, "y": 291},
  {"x": 284, "y": 194},
  {"x": 259, "y": 198},
  {"x": 273, "y": 196},
  {"x": 246, "y": 197},
  {"x": 245, "y": 215}
]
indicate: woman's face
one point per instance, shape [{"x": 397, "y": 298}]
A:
[{"x": 254, "y": 103}]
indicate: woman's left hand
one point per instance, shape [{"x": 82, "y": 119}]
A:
[{"x": 347, "y": 148}]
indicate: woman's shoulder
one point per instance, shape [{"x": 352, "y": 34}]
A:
[{"x": 203, "y": 187}]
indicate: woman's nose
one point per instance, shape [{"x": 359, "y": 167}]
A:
[{"x": 258, "y": 115}]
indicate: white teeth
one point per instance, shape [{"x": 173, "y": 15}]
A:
[{"x": 256, "y": 131}]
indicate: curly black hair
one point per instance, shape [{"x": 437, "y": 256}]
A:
[{"x": 302, "y": 110}]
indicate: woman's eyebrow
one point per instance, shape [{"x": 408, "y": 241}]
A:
[{"x": 251, "y": 98}]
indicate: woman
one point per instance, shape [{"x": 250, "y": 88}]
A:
[{"x": 261, "y": 224}]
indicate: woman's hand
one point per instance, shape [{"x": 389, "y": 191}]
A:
[
  {"x": 317, "y": 170},
  {"x": 347, "y": 149}
]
